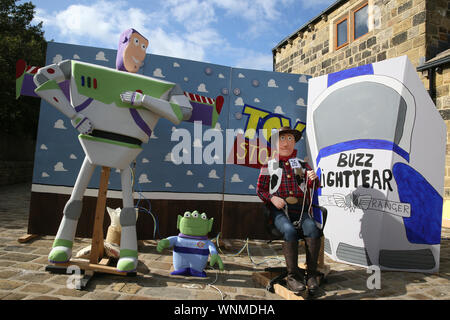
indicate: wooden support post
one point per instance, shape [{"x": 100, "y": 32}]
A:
[
  {"x": 96, "y": 261},
  {"x": 263, "y": 278},
  {"x": 97, "y": 248}
]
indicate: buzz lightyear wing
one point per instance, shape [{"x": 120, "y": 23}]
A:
[{"x": 205, "y": 109}]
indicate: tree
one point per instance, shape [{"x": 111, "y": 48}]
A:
[{"x": 20, "y": 40}]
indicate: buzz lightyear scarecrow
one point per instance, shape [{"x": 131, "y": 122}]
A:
[
  {"x": 115, "y": 112},
  {"x": 191, "y": 247}
]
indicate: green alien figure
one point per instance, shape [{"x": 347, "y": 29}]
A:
[{"x": 191, "y": 247}]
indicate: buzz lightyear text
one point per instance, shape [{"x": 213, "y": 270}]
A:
[{"x": 367, "y": 178}]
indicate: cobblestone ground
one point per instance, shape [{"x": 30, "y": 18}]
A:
[{"x": 23, "y": 275}]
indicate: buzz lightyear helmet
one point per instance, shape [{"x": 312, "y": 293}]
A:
[
  {"x": 123, "y": 42},
  {"x": 364, "y": 109}
]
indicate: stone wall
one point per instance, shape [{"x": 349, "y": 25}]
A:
[
  {"x": 438, "y": 27},
  {"x": 396, "y": 28}
]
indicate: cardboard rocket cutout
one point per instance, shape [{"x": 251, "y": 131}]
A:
[{"x": 378, "y": 144}]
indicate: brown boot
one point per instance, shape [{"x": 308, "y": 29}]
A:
[
  {"x": 312, "y": 256},
  {"x": 295, "y": 279}
]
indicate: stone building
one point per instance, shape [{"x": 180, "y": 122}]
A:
[{"x": 352, "y": 33}]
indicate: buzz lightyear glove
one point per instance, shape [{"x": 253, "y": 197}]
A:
[
  {"x": 132, "y": 97},
  {"x": 82, "y": 124},
  {"x": 216, "y": 259}
]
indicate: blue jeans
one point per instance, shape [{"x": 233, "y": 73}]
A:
[{"x": 282, "y": 223}]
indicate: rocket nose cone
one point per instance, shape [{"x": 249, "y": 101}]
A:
[{"x": 219, "y": 104}]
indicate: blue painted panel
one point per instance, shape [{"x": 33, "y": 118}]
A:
[
  {"x": 349, "y": 73},
  {"x": 424, "y": 224},
  {"x": 59, "y": 155}
]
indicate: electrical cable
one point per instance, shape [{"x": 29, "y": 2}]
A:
[
  {"x": 246, "y": 245},
  {"x": 212, "y": 283},
  {"x": 141, "y": 197}
]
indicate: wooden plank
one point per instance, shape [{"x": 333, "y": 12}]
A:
[
  {"x": 263, "y": 278},
  {"x": 97, "y": 250},
  {"x": 27, "y": 238},
  {"x": 85, "y": 265},
  {"x": 104, "y": 261}
]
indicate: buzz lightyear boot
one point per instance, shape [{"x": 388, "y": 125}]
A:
[
  {"x": 62, "y": 246},
  {"x": 128, "y": 259}
]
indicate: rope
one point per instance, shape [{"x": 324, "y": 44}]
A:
[
  {"x": 246, "y": 245},
  {"x": 211, "y": 284}
]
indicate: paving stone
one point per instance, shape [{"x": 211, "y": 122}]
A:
[
  {"x": 161, "y": 265},
  {"x": 244, "y": 297},
  {"x": 43, "y": 298},
  {"x": 58, "y": 279},
  {"x": 3, "y": 294},
  {"x": 6, "y": 274},
  {"x": 35, "y": 277},
  {"x": 168, "y": 293},
  {"x": 208, "y": 294},
  {"x": 23, "y": 249},
  {"x": 14, "y": 296},
  {"x": 136, "y": 297},
  {"x": 10, "y": 284},
  {"x": 254, "y": 292},
  {"x": 4, "y": 263},
  {"x": 28, "y": 266},
  {"x": 435, "y": 293},
  {"x": 102, "y": 295},
  {"x": 23, "y": 257},
  {"x": 70, "y": 292},
  {"x": 43, "y": 260},
  {"x": 129, "y": 288},
  {"x": 36, "y": 288}
]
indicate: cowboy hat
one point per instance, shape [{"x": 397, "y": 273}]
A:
[{"x": 285, "y": 130}]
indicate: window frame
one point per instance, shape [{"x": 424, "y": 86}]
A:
[
  {"x": 353, "y": 12},
  {"x": 336, "y": 33}
]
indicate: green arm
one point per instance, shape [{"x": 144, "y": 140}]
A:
[
  {"x": 162, "y": 244},
  {"x": 215, "y": 258}
]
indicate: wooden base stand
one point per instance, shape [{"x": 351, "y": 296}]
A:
[
  {"x": 27, "y": 238},
  {"x": 273, "y": 278},
  {"x": 96, "y": 261},
  {"x": 273, "y": 282}
]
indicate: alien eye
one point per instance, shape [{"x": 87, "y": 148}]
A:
[
  {"x": 143, "y": 47},
  {"x": 136, "y": 41},
  {"x": 203, "y": 216},
  {"x": 187, "y": 214},
  {"x": 194, "y": 214}
]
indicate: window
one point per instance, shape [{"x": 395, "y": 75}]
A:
[
  {"x": 351, "y": 25},
  {"x": 341, "y": 33},
  {"x": 360, "y": 21}
]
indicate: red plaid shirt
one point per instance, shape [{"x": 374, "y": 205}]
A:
[{"x": 288, "y": 186}]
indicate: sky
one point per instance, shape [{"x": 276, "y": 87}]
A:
[{"x": 234, "y": 33}]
